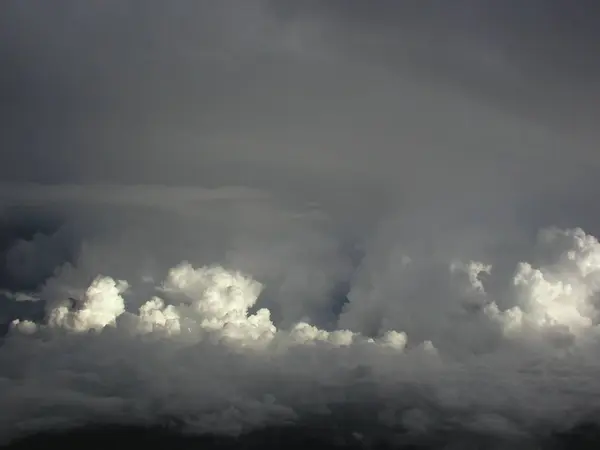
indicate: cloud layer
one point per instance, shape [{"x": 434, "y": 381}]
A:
[
  {"x": 242, "y": 213},
  {"x": 279, "y": 323}
]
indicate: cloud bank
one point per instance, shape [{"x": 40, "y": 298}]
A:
[
  {"x": 280, "y": 323},
  {"x": 241, "y": 214}
]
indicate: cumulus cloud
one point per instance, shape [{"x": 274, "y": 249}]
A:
[{"x": 426, "y": 343}]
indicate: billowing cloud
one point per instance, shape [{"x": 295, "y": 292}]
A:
[
  {"x": 428, "y": 343},
  {"x": 238, "y": 214}
]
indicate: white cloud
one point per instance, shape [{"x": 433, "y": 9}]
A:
[{"x": 435, "y": 334}]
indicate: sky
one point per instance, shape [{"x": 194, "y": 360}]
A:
[{"x": 345, "y": 199}]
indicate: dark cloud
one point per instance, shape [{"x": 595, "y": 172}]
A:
[
  {"x": 537, "y": 59},
  {"x": 233, "y": 214},
  {"x": 270, "y": 92}
]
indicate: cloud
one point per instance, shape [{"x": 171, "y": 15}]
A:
[
  {"x": 241, "y": 93},
  {"x": 428, "y": 341},
  {"x": 239, "y": 214}
]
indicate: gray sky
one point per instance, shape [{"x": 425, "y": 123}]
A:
[
  {"x": 362, "y": 161},
  {"x": 418, "y": 95}
]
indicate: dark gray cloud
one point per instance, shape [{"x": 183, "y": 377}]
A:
[
  {"x": 273, "y": 93},
  {"x": 485, "y": 46},
  {"x": 361, "y": 164}
]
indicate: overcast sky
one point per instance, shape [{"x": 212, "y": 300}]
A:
[
  {"x": 279, "y": 181},
  {"x": 275, "y": 92}
]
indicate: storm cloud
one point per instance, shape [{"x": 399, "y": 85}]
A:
[{"x": 238, "y": 214}]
